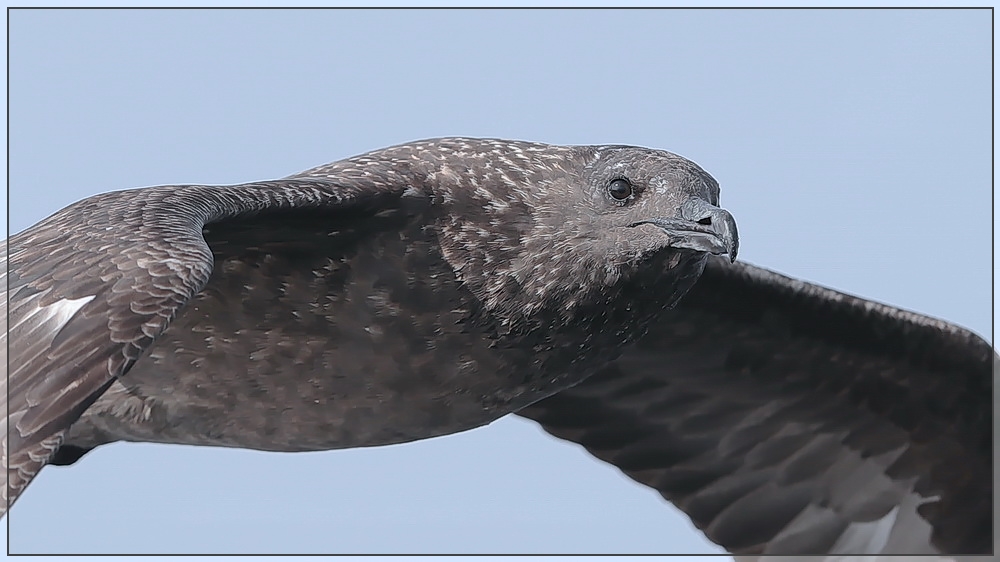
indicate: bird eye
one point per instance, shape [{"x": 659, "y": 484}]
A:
[{"x": 620, "y": 189}]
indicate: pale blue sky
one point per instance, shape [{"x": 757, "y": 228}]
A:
[{"x": 853, "y": 147}]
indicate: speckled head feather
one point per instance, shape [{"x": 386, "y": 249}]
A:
[{"x": 529, "y": 225}]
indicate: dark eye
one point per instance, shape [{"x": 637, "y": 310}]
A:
[{"x": 620, "y": 189}]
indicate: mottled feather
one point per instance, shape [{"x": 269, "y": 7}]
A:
[{"x": 436, "y": 286}]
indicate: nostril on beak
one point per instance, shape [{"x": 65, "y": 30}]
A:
[{"x": 707, "y": 221}]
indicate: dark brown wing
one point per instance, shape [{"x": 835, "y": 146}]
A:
[
  {"x": 87, "y": 290},
  {"x": 786, "y": 418}
]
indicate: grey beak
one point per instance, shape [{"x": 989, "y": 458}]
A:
[{"x": 703, "y": 227}]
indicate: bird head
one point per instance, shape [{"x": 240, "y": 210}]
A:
[
  {"x": 604, "y": 215},
  {"x": 533, "y": 225},
  {"x": 638, "y": 203}
]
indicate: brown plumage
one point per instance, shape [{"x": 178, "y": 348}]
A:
[{"x": 436, "y": 286}]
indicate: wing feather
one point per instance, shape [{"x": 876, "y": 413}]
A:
[
  {"x": 786, "y": 418},
  {"x": 87, "y": 291}
]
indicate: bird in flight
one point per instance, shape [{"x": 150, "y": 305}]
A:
[{"x": 436, "y": 286}]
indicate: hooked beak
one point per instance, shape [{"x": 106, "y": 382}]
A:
[{"x": 703, "y": 227}]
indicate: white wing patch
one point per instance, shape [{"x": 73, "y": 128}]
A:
[
  {"x": 856, "y": 490},
  {"x": 869, "y": 536},
  {"x": 39, "y": 327},
  {"x": 57, "y": 314},
  {"x": 34, "y": 327}
]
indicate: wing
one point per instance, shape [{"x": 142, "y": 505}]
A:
[
  {"x": 786, "y": 418},
  {"x": 90, "y": 288}
]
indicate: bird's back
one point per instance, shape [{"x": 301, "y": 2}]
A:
[{"x": 315, "y": 334}]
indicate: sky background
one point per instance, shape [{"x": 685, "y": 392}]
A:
[{"x": 853, "y": 148}]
